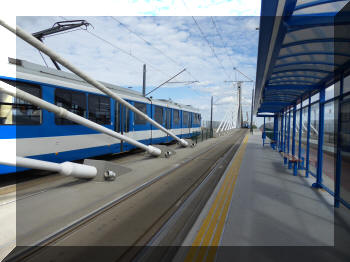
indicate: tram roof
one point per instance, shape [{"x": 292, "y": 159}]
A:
[{"x": 303, "y": 46}]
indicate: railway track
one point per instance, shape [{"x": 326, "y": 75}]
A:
[{"x": 160, "y": 212}]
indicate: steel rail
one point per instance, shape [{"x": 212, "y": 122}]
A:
[
  {"x": 43, "y": 48},
  {"x": 76, "y": 224}
]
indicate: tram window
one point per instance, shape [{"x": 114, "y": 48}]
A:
[
  {"x": 186, "y": 118},
  {"x": 73, "y": 101},
  {"x": 99, "y": 109},
  {"x": 196, "y": 118},
  {"x": 139, "y": 120},
  {"x": 158, "y": 114},
  {"x": 176, "y": 117},
  {"x": 15, "y": 111}
]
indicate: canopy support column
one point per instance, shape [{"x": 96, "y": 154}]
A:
[
  {"x": 308, "y": 138},
  {"x": 293, "y": 140},
  {"x": 318, "y": 183},
  {"x": 275, "y": 132},
  {"x": 300, "y": 131},
  {"x": 338, "y": 152},
  {"x": 282, "y": 131}
]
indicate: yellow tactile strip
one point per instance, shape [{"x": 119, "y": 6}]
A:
[{"x": 208, "y": 237}]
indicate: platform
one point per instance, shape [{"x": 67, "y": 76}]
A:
[{"x": 259, "y": 204}]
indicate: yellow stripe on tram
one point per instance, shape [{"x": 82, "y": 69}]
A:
[{"x": 210, "y": 232}]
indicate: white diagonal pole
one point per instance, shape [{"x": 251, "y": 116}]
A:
[
  {"x": 62, "y": 112},
  {"x": 65, "y": 168},
  {"x": 40, "y": 46}
]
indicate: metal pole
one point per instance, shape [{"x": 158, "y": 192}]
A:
[
  {"x": 300, "y": 130},
  {"x": 288, "y": 135},
  {"x": 318, "y": 183},
  {"x": 293, "y": 135},
  {"x": 251, "y": 112},
  {"x": 144, "y": 81},
  {"x": 264, "y": 134},
  {"x": 66, "y": 168},
  {"x": 40, "y": 46},
  {"x": 239, "y": 120},
  {"x": 308, "y": 138},
  {"x": 282, "y": 131},
  {"x": 62, "y": 112},
  {"x": 211, "y": 118},
  {"x": 338, "y": 154}
]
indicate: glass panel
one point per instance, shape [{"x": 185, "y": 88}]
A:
[
  {"x": 139, "y": 120},
  {"x": 186, "y": 118},
  {"x": 346, "y": 87},
  {"x": 73, "y": 101},
  {"x": 345, "y": 152},
  {"x": 315, "y": 97},
  {"x": 304, "y": 137},
  {"x": 14, "y": 111},
  {"x": 329, "y": 92},
  {"x": 329, "y": 145},
  {"x": 314, "y": 137},
  {"x": 99, "y": 109}
]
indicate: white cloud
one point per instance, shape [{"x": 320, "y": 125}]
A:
[{"x": 177, "y": 37}]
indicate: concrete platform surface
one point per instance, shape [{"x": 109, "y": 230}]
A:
[{"x": 268, "y": 208}]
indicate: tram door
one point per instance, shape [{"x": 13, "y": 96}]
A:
[
  {"x": 168, "y": 122},
  {"x": 121, "y": 122}
]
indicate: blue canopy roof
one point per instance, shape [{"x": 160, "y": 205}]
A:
[{"x": 303, "y": 45}]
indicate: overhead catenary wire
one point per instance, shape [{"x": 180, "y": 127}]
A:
[
  {"x": 124, "y": 51},
  {"x": 222, "y": 40},
  {"x": 210, "y": 46},
  {"x": 151, "y": 45}
]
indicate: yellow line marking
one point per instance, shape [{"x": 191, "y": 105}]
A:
[{"x": 207, "y": 236}]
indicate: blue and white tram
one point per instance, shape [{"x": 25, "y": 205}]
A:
[{"x": 42, "y": 135}]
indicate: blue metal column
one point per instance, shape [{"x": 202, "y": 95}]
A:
[
  {"x": 285, "y": 132},
  {"x": 338, "y": 156},
  {"x": 318, "y": 183},
  {"x": 275, "y": 131},
  {"x": 293, "y": 139},
  {"x": 300, "y": 131},
  {"x": 288, "y": 137},
  {"x": 282, "y": 132},
  {"x": 264, "y": 134},
  {"x": 308, "y": 138}
]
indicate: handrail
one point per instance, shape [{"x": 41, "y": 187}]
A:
[{"x": 40, "y": 46}]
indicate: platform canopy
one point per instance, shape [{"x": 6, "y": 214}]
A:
[{"x": 303, "y": 46}]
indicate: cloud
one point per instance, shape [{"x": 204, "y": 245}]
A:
[{"x": 176, "y": 37}]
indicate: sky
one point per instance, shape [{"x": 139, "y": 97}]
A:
[{"x": 208, "y": 45}]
